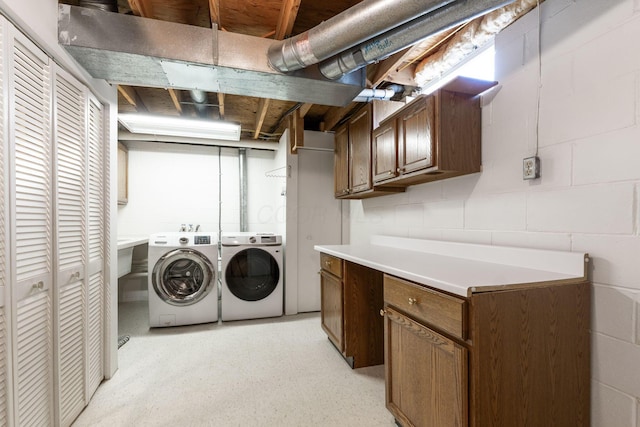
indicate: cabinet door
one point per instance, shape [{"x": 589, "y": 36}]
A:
[
  {"x": 332, "y": 303},
  {"x": 70, "y": 160},
  {"x": 341, "y": 162},
  {"x": 426, "y": 375},
  {"x": 31, "y": 225},
  {"x": 385, "y": 158},
  {"x": 360, "y": 150},
  {"x": 417, "y": 136}
]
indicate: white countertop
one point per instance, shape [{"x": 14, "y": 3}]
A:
[
  {"x": 460, "y": 268},
  {"x": 125, "y": 242}
]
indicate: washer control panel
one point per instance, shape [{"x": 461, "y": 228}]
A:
[{"x": 202, "y": 240}]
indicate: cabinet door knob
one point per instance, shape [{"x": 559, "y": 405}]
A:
[
  {"x": 412, "y": 301},
  {"x": 327, "y": 263},
  {"x": 382, "y": 312}
]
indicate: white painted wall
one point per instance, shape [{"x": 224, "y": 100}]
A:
[
  {"x": 174, "y": 184},
  {"x": 587, "y": 199},
  {"x": 314, "y": 217}
]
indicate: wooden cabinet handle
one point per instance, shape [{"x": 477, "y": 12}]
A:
[
  {"x": 327, "y": 263},
  {"x": 412, "y": 301}
]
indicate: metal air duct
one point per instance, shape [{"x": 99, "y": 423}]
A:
[
  {"x": 131, "y": 50},
  {"x": 107, "y": 5},
  {"x": 199, "y": 98},
  {"x": 405, "y": 35},
  {"x": 355, "y": 25}
]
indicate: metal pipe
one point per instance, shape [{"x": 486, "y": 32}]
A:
[
  {"x": 242, "y": 170},
  {"x": 199, "y": 98},
  {"x": 353, "y": 26},
  {"x": 106, "y": 5},
  {"x": 380, "y": 94},
  {"x": 407, "y": 34}
]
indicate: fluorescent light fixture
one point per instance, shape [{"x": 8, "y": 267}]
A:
[{"x": 179, "y": 126}]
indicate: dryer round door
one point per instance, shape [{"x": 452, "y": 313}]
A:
[
  {"x": 183, "y": 277},
  {"x": 252, "y": 274}
]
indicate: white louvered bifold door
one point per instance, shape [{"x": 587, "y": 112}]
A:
[
  {"x": 96, "y": 245},
  {"x": 4, "y": 336},
  {"x": 31, "y": 277},
  {"x": 70, "y": 171}
]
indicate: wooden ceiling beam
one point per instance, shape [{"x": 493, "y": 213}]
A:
[
  {"x": 304, "y": 109},
  {"x": 263, "y": 106},
  {"x": 214, "y": 11},
  {"x": 133, "y": 98},
  {"x": 288, "y": 15},
  {"x": 142, "y": 8},
  {"x": 390, "y": 65},
  {"x": 175, "y": 97},
  {"x": 334, "y": 115},
  {"x": 221, "y": 104}
]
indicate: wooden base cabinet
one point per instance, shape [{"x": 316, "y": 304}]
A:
[
  {"x": 424, "y": 366},
  {"x": 515, "y": 356},
  {"x": 351, "y": 297}
]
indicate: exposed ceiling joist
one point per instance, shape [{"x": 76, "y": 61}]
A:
[
  {"x": 388, "y": 66},
  {"x": 288, "y": 14},
  {"x": 221, "y": 104},
  {"x": 304, "y": 109},
  {"x": 132, "y": 98},
  {"x": 333, "y": 117},
  {"x": 261, "y": 113},
  {"x": 141, "y": 8},
  {"x": 214, "y": 11},
  {"x": 176, "y": 99}
]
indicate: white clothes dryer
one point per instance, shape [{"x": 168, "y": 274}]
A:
[
  {"x": 183, "y": 287},
  {"x": 252, "y": 276}
]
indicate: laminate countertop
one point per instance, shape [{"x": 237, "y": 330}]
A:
[{"x": 461, "y": 268}]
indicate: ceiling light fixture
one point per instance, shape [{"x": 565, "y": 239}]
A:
[{"x": 179, "y": 126}]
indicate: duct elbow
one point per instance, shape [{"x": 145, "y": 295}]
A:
[{"x": 291, "y": 54}]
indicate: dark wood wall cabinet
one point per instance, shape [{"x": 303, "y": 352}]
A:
[
  {"x": 434, "y": 137},
  {"x": 513, "y": 354},
  {"x": 352, "y": 161}
]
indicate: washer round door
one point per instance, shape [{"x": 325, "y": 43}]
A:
[
  {"x": 183, "y": 277},
  {"x": 252, "y": 274}
]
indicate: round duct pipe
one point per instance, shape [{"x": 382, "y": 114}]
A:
[
  {"x": 407, "y": 34},
  {"x": 355, "y": 25},
  {"x": 199, "y": 98},
  {"x": 106, "y": 5},
  {"x": 385, "y": 94}
]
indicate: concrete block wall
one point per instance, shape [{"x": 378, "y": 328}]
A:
[{"x": 588, "y": 196}]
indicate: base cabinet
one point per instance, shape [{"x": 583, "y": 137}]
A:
[
  {"x": 351, "y": 298},
  {"x": 516, "y": 356},
  {"x": 424, "y": 366}
]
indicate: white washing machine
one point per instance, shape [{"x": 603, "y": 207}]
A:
[
  {"x": 183, "y": 286},
  {"x": 252, "y": 276}
]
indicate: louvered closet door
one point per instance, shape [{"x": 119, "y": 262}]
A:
[
  {"x": 30, "y": 142},
  {"x": 70, "y": 160},
  {"x": 96, "y": 245},
  {"x": 4, "y": 336}
]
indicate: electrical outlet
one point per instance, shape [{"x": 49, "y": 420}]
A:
[{"x": 531, "y": 168}]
